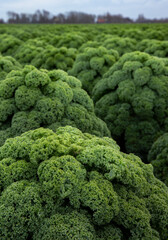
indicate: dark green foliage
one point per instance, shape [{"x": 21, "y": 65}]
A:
[
  {"x": 122, "y": 45},
  {"x": 12, "y": 170},
  {"x": 31, "y": 98},
  {"x": 59, "y": 183},
  {"x": 154, "y": 47},
  {"x": 70, "y": 40},
  {"x": 9, "y": 44},
  {"x": 54, "y": 58},
  {"x": 20, "y": 210},
  {"x": 109, "y": 232},
  {"x": 90, "y": 44},
  {"x": 135, "y": 33},
  {"x": 29, "y": 50},
  {"x": 91, "y": 64},
  {"x": 73, "y": 185},
  {"x": 7, "y": 64},
  {"x": 132, "y": 99},
  {"x": 68, "y": 226},
  {"x": 156, "y": 34},
  {"x": 158, "y": 156},
  {"x": 101, "y": 37}
]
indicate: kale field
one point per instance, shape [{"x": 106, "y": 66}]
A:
[{"x": 84, "y": 132}]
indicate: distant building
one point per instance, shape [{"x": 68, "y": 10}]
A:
[
  {"x": 101, "y": 20},
  {"x": 108, "y": 18}
]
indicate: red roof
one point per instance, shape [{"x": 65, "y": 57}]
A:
[{"x": 100, "y": 20}]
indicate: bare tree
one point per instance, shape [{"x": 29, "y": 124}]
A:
[{"x": 75, "y": 17}]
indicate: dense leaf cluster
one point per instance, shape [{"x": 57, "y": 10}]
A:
[
  {"x": 91, "y": 64},
  {"x": 122, "y": 45},
  {"x": 132, "y": 98},
  {"x": 9, "y": 44},
  {"x": 8, "y": 64},
  {"x": 154, "y": 47},
  {"x": 31, "y": 98},
  {"x": 42, "y": 55},
  {"x": 134, "y": 33},
  {"x": 29, "y": 50},
  {"x": 90, "y": 44},
  {"x": 69, "y": 40},
  {"x": 156, "y": 34},
  {"x": 57, "y": 182},
  {"x": 55, "y": 58},
  {"x": 70, "y": 185},
  {"x": 158, "y": 156}
]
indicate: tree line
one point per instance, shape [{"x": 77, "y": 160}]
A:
[{"x": 74, "y": 17}]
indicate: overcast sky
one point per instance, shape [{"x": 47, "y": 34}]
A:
[{"x": 130, "y": 8}]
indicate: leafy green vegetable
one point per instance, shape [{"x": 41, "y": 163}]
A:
[
  {"x": 73, "y": 185},
  {"x": 132, "y": 99},
  {"x": 32, "y": 98}
]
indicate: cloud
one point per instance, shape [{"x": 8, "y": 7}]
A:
[
  {"x": 131, "y": 8},
  {"x": 134, "y": 2}
]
